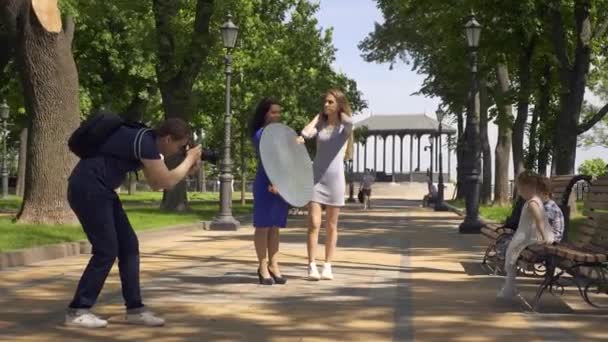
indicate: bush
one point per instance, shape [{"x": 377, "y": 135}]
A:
[{"x": 593, "y": 167}]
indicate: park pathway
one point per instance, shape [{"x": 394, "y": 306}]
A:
[{"x": 403, "y": 273}]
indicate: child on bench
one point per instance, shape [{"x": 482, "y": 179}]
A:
[
  {"x": 554, "y": 215},
  {"x": 533, "y": 227}
]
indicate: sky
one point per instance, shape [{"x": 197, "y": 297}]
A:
[{"x": 388, "y": 91}]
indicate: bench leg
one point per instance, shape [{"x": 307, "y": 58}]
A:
[
  {"x": 548, "y": 282},
  {"x": 597, "y": 284}
]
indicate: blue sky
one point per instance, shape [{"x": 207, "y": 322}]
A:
[{"x": 387, "y": 91}]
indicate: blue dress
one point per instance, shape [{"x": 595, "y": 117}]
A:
[{"x": 269, "y": 210}]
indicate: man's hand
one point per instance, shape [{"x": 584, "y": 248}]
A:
[
  {"x": 194, "y": 153},
  {"x": 299, "y": 140}
]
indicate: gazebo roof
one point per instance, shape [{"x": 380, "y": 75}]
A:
[{"x": 403, "y": 124}]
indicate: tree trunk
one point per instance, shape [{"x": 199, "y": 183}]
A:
[
  {"x": 573, "y": 77},
  {"x": 21, "y": 164},
  {"x": 177, "y": 69},
  {"x": 486, "y": 186},
  {"x": 50, "y": 86},
  {"x": 545, "y": 140},
  {"x": 243, "y": 164},
  {"x": 503, "y": 145},
  {"x": 175, "y": 200},
  {"x": 523, "y": 104},
  {"x": 135, "y": 112},
  {"x": 531, "y": 158},
  {"x": 132, "y": 184}
]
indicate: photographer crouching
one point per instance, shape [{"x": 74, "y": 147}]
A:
[{"x": 110, "y": 148}]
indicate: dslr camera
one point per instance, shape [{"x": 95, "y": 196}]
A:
[{"x": 210, "y": 156}]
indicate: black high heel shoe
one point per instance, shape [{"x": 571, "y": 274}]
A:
[
  {"x": 264, "y": 281},
  {"x": 278, "y": 280}
]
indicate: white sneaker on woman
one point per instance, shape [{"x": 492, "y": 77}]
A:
[
  {"x": 327, "y": 274},
  {"x": 313, "y": 272}
]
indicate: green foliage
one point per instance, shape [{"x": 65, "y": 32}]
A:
[{"x": 593, "y": 167}]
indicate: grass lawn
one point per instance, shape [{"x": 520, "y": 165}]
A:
[
  {"x": 487, "y": 212},
  {"x": 500, "y": 214},
  {"x": 142, "y": 208}
]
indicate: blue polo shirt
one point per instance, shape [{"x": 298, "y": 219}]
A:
[{"x": 120, "y": 154}]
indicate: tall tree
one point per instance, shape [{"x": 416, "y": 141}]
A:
[
  {"x": 504, "y": 121},
  {"x": 575, "y": 43},
  {"x": 41, "y": 46},
  {"x": 179, "y": 63},
  {"x": 486, "y": 184}
]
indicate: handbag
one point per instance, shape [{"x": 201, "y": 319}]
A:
[{"x": 360, "y": 195}]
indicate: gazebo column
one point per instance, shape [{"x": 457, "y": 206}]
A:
[
  {"x": 393, "y": 161},
  {"x": 401, "y": 152},
  {"x": 419, "y": 136},
  {"x": 384, "y": 139},
  {"x": 365, "y": 155},
  {"x": 411, "y": 158},
  {"x": 375, "y": 153}
]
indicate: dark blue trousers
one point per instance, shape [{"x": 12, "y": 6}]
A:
[{"x": 108, "y": 230}]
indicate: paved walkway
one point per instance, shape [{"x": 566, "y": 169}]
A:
[{"x": 402, "y": 273}]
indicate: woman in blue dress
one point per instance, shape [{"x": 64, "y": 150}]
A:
[{"x": 269, "y": 209}]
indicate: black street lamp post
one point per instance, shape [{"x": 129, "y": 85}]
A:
[
  {"x": 225, "y": 220},
  {"x": 440, "y": 204},
  {"x": 471, "y": 163}
]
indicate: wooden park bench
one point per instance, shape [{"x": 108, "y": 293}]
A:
[
  {"x": 530, "y": 262},
  {"x": 585, "y": 258}
]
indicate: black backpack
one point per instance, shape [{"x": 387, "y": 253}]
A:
[{"x": 88, "y": 138}]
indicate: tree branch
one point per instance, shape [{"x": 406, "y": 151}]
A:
[
  {"x": 590, "y": 122},
  {"x": 201, "y": 40},
  {"x": 601, "y": 29}
]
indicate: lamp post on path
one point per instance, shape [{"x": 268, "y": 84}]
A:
[
  {"x": 471, "y": 163},
  {"x": 440, "y": 204},
  {"x": 225, "y": 220}
]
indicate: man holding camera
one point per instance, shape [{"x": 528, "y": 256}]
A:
[{"x": 110, "y": 148}]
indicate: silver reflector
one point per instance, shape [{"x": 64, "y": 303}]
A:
[{"x": 287, "y": 164}]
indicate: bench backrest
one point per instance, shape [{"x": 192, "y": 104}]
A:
[
  {"x": 593, "y": 233},
  {"x": 561, "y": 188}
]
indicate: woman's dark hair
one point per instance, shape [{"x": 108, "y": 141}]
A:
[
  {"x": 259, "y": 116},
  {"x": 177, "y": 128}
]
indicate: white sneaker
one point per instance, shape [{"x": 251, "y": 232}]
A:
[
  {"x": 326, "y": 274},
  {"x": 147, "y": 318},
  {"x": 313, "y": 272},
  {"x": 84, "y": 319}
]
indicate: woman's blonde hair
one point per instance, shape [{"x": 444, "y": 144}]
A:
[{"x": 341, "y": 100}]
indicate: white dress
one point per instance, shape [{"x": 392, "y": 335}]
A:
[{"x": 527, "y": 233}]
